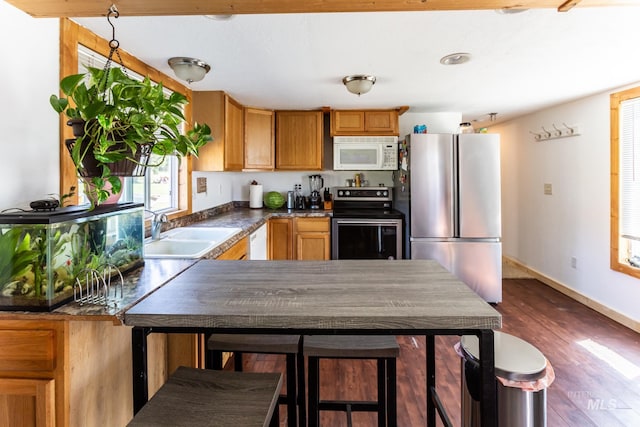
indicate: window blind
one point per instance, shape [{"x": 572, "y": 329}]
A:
[{"x": 629, "y": 169}]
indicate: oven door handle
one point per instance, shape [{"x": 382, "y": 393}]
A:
[{"x": 367, "y": 222}]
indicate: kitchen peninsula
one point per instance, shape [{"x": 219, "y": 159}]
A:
[{"x": 375, "y": 297}]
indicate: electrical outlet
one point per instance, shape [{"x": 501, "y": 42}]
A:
[
  {"x": 574, "y": 262},
  {"x": 548, "y": 189}
]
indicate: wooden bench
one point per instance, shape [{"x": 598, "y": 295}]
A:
[
  {"x": 200, "y": 397},
  {"x": 288, "y": 345},
  {"x": 384, "y": 349}
]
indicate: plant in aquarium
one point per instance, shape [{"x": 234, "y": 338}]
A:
[{"x": 16, "y": 259}]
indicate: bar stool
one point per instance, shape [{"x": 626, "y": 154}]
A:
[
  {"x": 199, "y": 397},
  {"x": 384, "y": 349},
  {"x": 288, "y": 345}
]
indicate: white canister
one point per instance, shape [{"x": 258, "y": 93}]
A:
[{"x": 255, "y": 196}]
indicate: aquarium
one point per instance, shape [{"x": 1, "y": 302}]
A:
[{"x": 45, "y": 254}]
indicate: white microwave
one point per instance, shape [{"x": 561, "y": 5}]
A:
[{"x": 365, "y": 153}]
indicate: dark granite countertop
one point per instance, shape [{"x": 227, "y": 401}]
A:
[
  {"x": 144, "y": 280},
  {"x": 250, "y": 220},
  {"x": 138, "y": 284}
]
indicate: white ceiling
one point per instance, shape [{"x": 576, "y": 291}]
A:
[{"x": 520, "y": 62}]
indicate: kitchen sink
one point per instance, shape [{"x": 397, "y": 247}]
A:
[
  {"x": 210, "y": 234},
  {"x": 188, "y": 242}
]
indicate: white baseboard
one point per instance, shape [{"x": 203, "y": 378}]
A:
[{"x": 581, "y": 298}]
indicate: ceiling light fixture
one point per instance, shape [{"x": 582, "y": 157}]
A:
[
  {"x": 219, "y": 17},
  {"x": 359, "y": 83},
  {"x": 189, "y": 69},
  {"x": 510, "y": 10},
  {"x": 455, "y": 58}
]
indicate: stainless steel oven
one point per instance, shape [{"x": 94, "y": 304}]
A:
[{"x": 364, "y": 224}]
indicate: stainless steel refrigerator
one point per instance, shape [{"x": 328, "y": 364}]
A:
[{"x": 448, "y": 187}]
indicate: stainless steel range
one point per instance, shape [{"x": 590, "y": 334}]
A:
[{"x": 365, "y": 225}]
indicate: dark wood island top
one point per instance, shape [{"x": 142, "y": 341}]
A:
[{"x": 400, "y": 295}]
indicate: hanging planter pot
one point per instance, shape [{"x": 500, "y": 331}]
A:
[{"x": 92, "y": 159}]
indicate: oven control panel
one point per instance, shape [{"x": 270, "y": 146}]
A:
[{"x": 363, "y": 193}]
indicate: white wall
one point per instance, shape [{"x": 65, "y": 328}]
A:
[
  {"x": 224, "y": 187},
  {"x": 544, "y": 232},
  {"x": 29, "y": 165},
  {"x": 444, "y": 122}
]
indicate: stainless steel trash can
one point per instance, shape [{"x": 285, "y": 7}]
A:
[{"x": 516, "y": 360}]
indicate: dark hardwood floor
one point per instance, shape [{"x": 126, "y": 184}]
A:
[{"x": 596, "y": 363}]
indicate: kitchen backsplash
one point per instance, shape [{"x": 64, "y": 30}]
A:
[{"x": 225, "y": 187}]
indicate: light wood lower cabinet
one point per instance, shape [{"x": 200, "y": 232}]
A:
[
  {"x": 237, "y": 252},
  {"x": 312, "y": 238},
  {"x": 70, "y": 373},
  {"x": 280, "y": 238},
  {"x": 299, "y": 238}
]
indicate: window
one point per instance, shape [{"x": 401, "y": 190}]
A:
[
  {"x": 625, "y": 181},
  {"x": 167, "y": 187},
  {"x": 158, "y": 189}
]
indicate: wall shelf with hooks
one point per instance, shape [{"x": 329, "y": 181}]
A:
[{"x": 564, "y": 131}]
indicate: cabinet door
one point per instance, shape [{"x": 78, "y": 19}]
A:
[
  {"x": 259, "y": 139},
  {"x": 364, "y": 122},
  {"x": 236, "y": 252},
  {"x": 280, "y": 238},
  {"x": 313, "y": 239},
  {"x": 27, "y": 402},
  {"x": 299, "y": 140},
  {"x": 225, "y": 117},
  {"x": 384, "y": 122},
  {"x": 234, "y": 138},
  {"x": 347, "y": 121},
  {"x": 313, "y": 246}
]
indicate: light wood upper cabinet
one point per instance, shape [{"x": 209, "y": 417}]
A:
[
  {"x": 356, "y": 122},
  {"x": 225, "y": 116},
  {"x": 299, "y": 140},
  {"x": 259, "y": 139}
]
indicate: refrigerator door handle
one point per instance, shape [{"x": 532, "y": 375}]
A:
[{"x": 455, "y": 189}]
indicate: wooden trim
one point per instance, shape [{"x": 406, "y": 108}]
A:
[
  {"x": 615, "y": 100},
  {"x": 568, "y": 5},
  {"x": 577, "y": 296},
  {"x": 82, "y": 8},
  {"x": 72, "y": 35}
]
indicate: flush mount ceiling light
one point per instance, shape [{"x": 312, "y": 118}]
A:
[
  {"x": 359, "y": 83},
  {"x": 219, "y": 17},
  {"x": 189, "y": 69},
  {"x": 455, "y": 59},
  {"x": 510, "y": 10}
]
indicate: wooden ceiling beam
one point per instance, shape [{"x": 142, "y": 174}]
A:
[{"x": 96, "y": 8}]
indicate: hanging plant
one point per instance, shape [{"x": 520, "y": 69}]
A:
[{"x": 119, "y": 122}]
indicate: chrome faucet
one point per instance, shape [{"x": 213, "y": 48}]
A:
[{"x": 156, "y": 224}]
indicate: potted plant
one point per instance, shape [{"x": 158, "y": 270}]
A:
[{"x": 118, "y": 122}]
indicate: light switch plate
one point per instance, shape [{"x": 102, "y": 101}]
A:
[
  {"x": 548, "y": 189},
  {"x": 201, "y": 185}
]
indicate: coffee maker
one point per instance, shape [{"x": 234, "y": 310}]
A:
[{"x": 315, "y": 185}]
